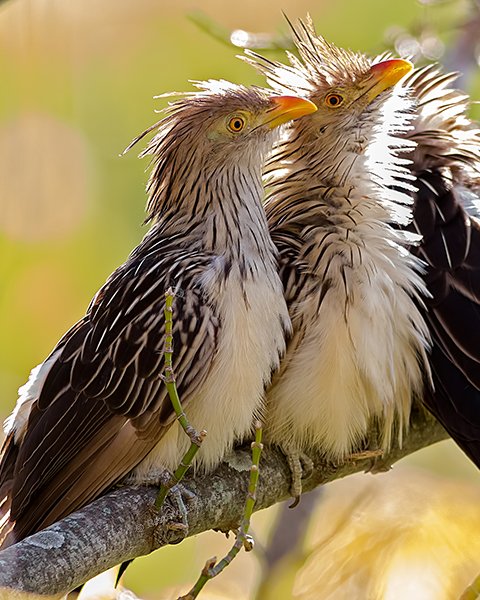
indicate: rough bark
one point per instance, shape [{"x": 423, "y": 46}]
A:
[{"x": 123, "y": 524}]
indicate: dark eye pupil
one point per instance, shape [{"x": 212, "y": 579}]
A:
[
  {"x": 334, "y": 100},
  {"x": 237, "y": 124}
]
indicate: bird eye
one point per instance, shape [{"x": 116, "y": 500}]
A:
[
  {"x": 236, "y": 124},
  {"x": 333, "y": 100}
]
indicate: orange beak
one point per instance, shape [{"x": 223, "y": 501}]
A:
[
  {"x": 386, "y": 74},
  {"x": 287, "y": 108}
]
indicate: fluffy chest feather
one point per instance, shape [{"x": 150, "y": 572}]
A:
[
  {"x": 359, "y": 340},
  {"x": 251, "y": 338}
]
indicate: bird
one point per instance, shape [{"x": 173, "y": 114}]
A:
[
  {"x": 338, "y": 207},
  {"x": 96, "y": 410}
]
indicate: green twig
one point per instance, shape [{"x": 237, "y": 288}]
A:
[
  {"x": 209, "y": 26},
  {"x": 170, "y": 382},
  {"x": 238, "y": 37},
  {"x": 212, "y": 568}
]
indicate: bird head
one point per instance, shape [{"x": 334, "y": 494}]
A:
[
  {"x": 349, "y": 89},
  {"x": 222, "y": 120},
  {"x": 222, "y": 125},
  {"x": 352, "y": 101},
  {"x": 236, "y": 118}
]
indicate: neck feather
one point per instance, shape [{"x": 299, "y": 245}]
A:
[
  {"x": 326, "y": 176},
  {"x": 218, "y": 210}
]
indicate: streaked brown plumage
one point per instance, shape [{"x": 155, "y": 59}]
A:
[
  {"x": 358, "y": 350},
  {"x": 96, "y": 410}
]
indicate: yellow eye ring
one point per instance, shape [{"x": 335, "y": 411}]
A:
[
  {"x": 236, "y": 124},
  {"x": 333, "y": 100}
]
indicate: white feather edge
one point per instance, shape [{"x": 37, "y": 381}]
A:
[{"x": 28, "y": 393}]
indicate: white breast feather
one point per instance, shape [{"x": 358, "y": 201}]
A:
[{"x": 250, "y": 342}]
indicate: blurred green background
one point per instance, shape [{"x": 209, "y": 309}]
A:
[{"x": 77, "y": 81}]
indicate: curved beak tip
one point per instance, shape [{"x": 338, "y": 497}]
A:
[
  {"x": 386, "y": 74},
  {"x": 391, "y": 71},
  {"x": 287, "y": 108}
]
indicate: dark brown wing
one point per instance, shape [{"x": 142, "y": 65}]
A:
[
  {"x": 103, "y": 405},
  {"x": 451, "y": 249}
]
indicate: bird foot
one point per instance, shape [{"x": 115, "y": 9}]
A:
[
  {"x": 376, "y": 465},
  {"x": 365, "y": 454},
  {"x": 301, "y": 467},
  {"x": 154, "y": 477},
  {"x": 179, "y": 494}
]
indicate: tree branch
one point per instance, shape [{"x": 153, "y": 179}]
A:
[{"x": 124, "y": 524}]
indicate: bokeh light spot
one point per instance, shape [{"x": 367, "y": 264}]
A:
[{"x": 44, "y": 178}]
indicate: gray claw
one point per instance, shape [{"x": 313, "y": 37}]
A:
[
  {"x": 301, "y": 467},
  {"x": 180, "y": 494}
]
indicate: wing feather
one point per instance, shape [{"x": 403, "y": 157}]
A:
[
  {"x": 451, "y": 249},
  {"x": 103, "y": 405}
]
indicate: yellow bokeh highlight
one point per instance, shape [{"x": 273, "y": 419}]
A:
[{"x": 403, "y": 534}]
